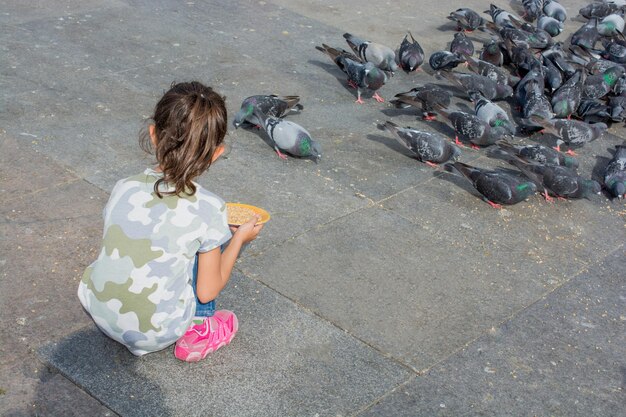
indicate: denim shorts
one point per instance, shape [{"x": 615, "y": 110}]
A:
[{"x": 202, "y": 309}]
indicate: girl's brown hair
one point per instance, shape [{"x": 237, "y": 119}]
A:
[{"x": 190, "y": 124}]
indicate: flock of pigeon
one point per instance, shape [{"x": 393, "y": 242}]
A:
[{"x": 573, "y": 93}]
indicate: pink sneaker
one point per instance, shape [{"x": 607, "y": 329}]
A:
[{"x": 201, "y": 339}]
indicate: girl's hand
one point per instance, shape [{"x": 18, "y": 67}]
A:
[{"x": 248, "y": 231}]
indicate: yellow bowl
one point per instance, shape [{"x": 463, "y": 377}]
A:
[{"x": 239, "y": 213}]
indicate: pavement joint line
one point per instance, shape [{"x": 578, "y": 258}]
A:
[
  {"x": 514, "y": 314},
  {"x": 385, "y": 395}
]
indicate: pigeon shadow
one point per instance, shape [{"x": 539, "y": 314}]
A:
[
  {"x": 391, "y": 142},
  {"x": 395, "y": 112},
  {"x": 597, "y": 172},
  {"x": 448, "y": 26},
  {"x": 452, "y": 176},
  {"x": 336, "y": 72}
]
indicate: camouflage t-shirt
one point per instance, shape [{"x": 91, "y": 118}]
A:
[{"x": 139, "y": 291}]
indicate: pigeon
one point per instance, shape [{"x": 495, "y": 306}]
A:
[
  {"x": 560, "y": 59},
  {"x": 566, "y": 99},
  {"x": 572, "y": 132},
  {"x": 615, "y": 173},
  {"x": 552, "y": 75},
  {"x": 479, "y": 83},
  {"x": 617, "y": 107},
  {"x": 593, "y": 111},
  {"x": 501, "y": 17},
  {"x": 598, "y": 86},
  {"x": 598, "y": 10},
  {"x": 471, "y": 128},
  {"x": 551, "y": 25},
  {"x": 540, "y": 154},
  {"x": 587, "y": 35},
  {"x": 492, "y": 53},
  {"x": 559, "y": 180},
  {"x": 424, "y": 97},
  {"x": 427, "y": 147},
  {"x": 535, "y": 74},
  {"x": 467, "y": 19},
  {"x": 291, "y": 138},
  {"x": 522, "y": 58},
  {"x": 612, "y": 25},
  {"x": 380, "y": 55},
  {"x": 271, "y": 105},
  {"x": 497, "y": 187},
  {"x": 491, "y": 71},
  {"x": 532, "y": 9},
  {"x": 491, "y": 113},
  {"x": 445, "y": 60},
  {"x": 410, "y": 54},
  {"x": 360, "y": 75},
  {"x": 554, "y": 10},
  {"x": 614, "y": 51},
  {"x": 535, "y": 106},
  {"x": 462, "y": 45}
]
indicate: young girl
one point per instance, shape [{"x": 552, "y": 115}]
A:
[{"x": 161, "y": 264}]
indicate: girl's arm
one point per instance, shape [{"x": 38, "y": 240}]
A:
[{"x": 215, "y": 266}]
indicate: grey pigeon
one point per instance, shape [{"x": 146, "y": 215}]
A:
[
  {"x": 360, "y": 75},
  {"x": 491, "y": 113},
  {"x": 555, "y": 10},
  {"x": 552, "y": 75},
  {"x": 614, "y": 51},
  {"x": 291, "y": 138},
  {"x": 462, "y": 45},
  {"x": 598, "y": 10},
  {"x": 617, "y": 106},
  {"x": 615, "y": 173},
  {"x": 467, "y": 19},
  {"x": 612, "y": 25},
  {"x": 594, "y": 111},
  {"x": 427, "y": 147},
  {"x": 445, "y": 60},
  {"x": 587, "y": 35},
  {"x": 535, "y": 106},
  {"x": 271, "y": 105},
  {"x": 501, "y": 17},
  {"x": 478, "y": 83},
  {"x": 566, "y": 99},
  {"x": 559, "y": 181},
  {"x": 380, "y": 55},
  {"x": 540, "y": 154},
  {"x": 410, "y": 54},
  {"x": 572, "y": 132},
  {"x": 532, "y": 9},
  {"x": 551, "y": 25},
  {"x": 497, "y": 187},
  {"x": 471, "y": 128},
  {"x": 424, "y": 97},
  {"x": 598, "y": 86}
]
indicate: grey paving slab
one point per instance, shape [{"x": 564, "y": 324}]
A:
[
  {"x": 413, "y": 290},
  {"x": 283, "y": 361},
  {"x": 562, "y": 356}
]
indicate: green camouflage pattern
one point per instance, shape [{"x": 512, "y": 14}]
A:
[{"x": 138, "y": 291}]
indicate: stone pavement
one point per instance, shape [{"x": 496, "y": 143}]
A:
[{"x": 380, "y": 287}]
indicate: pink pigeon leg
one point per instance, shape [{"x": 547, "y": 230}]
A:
[
  {"x": 475, "y": 147},
  {"x": 429, "y": 117},
  {"x": 352, "y": 84},
  {"x": 378, "y": 98},
  {"x": 280, "y": 154},
  {"x": 494, "y": 205},
  {"x": 547, "y": 197},
  {"x": 458, "y": 142},
  {"x": 571, "y": 152},
  {"x": 431, "y": 164}
]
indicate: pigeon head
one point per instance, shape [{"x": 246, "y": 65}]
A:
[
  {"x": 552, "y": 26},
  {"x": 617, "y": 188},
  {"x": 590, "y": 187},
  {"x": 244, "y": 112},
  {"x": 316, "y": 151}
]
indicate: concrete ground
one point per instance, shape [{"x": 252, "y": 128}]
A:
[{"x": 380, "y": 287}]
